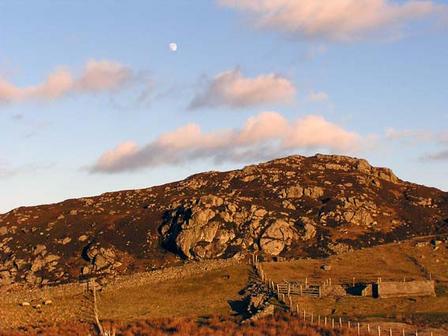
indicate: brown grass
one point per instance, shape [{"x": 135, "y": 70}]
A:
[{"x": 280, "y": 324}]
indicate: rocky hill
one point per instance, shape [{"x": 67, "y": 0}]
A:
[{"x": 292, "y": 207}]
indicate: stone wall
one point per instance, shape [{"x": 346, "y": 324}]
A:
[{"x": 389, "y": 289}]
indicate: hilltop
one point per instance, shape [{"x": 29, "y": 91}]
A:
[{"x": 294, "y": 207}]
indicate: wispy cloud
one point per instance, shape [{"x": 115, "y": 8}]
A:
[
  {"x": 441, "y": 155},
  {"x": 414, "y": 136},
  {"x": 266, "y": 134},
  {"x": 420, "y": 137},
  {"x": 232, "y": 89},
  {"x": 336, "y": 20},
  {"x": 96, "y": 77},
  {"x": 438, "y": 156},
  {"x": 5, "y": 171},
  {"x": 318, "y": 96}
]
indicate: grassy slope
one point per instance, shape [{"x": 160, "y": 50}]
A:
[
  {"x": 207, "y": 292},
  {"x": 203, "y": 294}
]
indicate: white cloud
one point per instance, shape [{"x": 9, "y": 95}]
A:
[
  {"x": 337, "y": 20},
  {"x": 96, "y": 77},
  {"x": 265, "y": 135},
  {"x": 232, "y": 89}
]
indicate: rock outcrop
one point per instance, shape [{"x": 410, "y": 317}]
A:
[{"x": 292, "y": 207}]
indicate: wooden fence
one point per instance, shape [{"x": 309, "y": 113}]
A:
[{"x": 285, "y": 290}]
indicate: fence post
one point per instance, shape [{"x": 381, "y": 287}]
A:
[
  {"x": 403, "y": 332},
  {"x": 359, "y": 329},
  {"x": 325, "y": 321},
  {"x": 332, "y": 323},
  {"x": 312, "y": 318},
  {"x": 348, "y": 324},
  {"x": 379, "y": 331},
  {"x": 340, "y": 322},
  {"x": 297, "y": 309},
  {"x": 390, "y": 331},
  {"x": 368, "y": 328},
  {"x": 318, "y": 320}
]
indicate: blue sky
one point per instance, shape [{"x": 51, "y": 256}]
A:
[{"x": 381, "y": 91}]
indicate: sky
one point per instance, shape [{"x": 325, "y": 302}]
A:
[{"x": 93, "y": 99}]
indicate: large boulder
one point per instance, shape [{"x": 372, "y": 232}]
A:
[{"x": 277, "y": 236}]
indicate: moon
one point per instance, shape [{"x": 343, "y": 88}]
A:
[{"x": 173, "y": 46}]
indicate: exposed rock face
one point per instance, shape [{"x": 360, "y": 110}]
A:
[
  {"x": 277, "y": 236},
  {"x": 290, "y": 207}
]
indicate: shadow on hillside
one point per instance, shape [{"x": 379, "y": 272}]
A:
[{"x": 239, "y": 307}]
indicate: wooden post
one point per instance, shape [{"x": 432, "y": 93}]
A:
[
  {"x": 390, "y": 331},
  {"x": 290, "y": 302},
  {"x": 348, "y": 324},
  {"x": 402, "y": 332},
  {"x": 340, "y": 322},
  {"x": 304, "y": 315},
  {"x": 359, "y": 329},
  {"x": 312, "y": 318},
  {"x": 332, "y": 323},
  {"x": 368, "y": 328},
  {"x": 325, "y": 321},
  {"x": 95, "y": 312},
  {"x": 379, "y": 331},
  {"x": 289, "y": 288},
  {"x": 301, "y": 292},
  {"x": 297, "y": 309}
]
